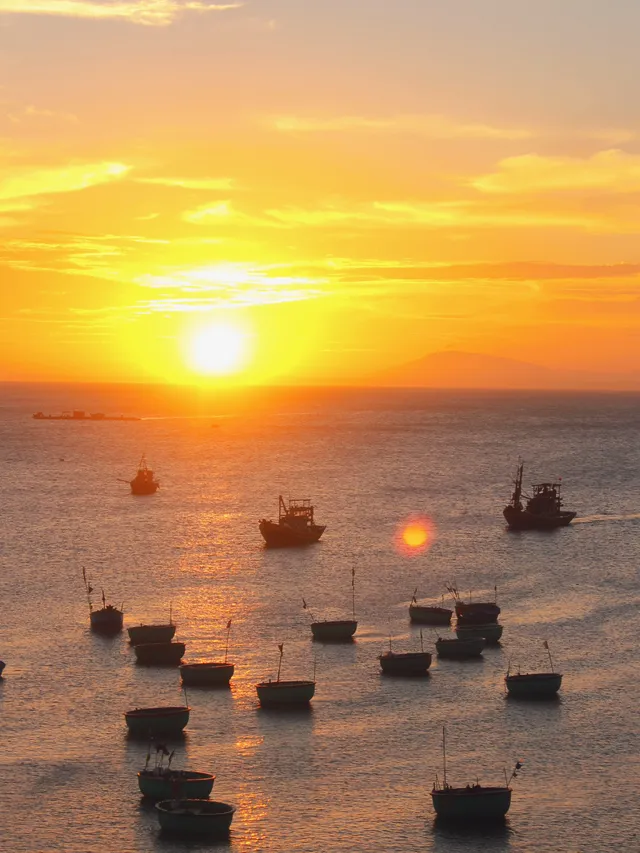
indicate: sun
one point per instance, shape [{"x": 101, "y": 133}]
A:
[
  {"x": 415, "y": 535},
  {"x": 218, "y": 349}
]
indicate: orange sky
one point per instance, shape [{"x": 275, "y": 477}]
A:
[{"x": 343, "y": 187}]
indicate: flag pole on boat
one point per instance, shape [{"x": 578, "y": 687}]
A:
[
  {"x": 444, "y": 756},
  {"x": 546, "y": 645},
  {"x": 226, "y": 648},
  {"x": 353, "y": 591},
  {"x": 281, "y": 648}
]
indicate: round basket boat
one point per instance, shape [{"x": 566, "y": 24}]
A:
[
  {"x": 405, "y": 663},
  {"x": 471, "y": 804},
  {"x": 490, "y": 633},
  {"x": 195, "y": 817},
  {"x": 423, "y": 615},
  {"x": 149, "y": 722},
  {"x": 338, "y": 631},
  {"x": 534, "y": 685},
  {"x": 279, "y": 694},
  {"x": 164, "y": 784},
  {"x": 151, "y": 634},
  {"x": 159, "y": 654},
  {"x": 459, "y": 649},
  {"x": 206, "y": 674}
]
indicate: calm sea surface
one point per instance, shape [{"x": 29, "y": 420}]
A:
[{"x": 355, "y": 772}]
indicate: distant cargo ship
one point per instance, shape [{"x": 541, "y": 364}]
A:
[{"x": 78, "y": 415}]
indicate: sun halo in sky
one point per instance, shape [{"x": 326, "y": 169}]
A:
[{"x": 218, "y": 349}]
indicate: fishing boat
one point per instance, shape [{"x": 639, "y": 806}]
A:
[
  {"x": 151, "y": 634},
  {"x": 144, "y": 483},
  {"x": 459, "y": 649},
  {"x": 534, "y": 685},
  {"x": 195, "y": 817},
  {"x": 542, "y": 510},
  {"x": 151, "y": 722},
  {"x": 337, "y": 630},
  {"x": 471, "y": 803},
  {"x": 405, "y": 663},
  {"x": 166, "y": 783},
  {"x": 108, "y": 619},
  {"x": 423, "y": 614},
  {"x": 206, "y": 673},
  {"x": 159, "y": 654},
  {"x": 490, "y": 633},
  {"x": 280, "y": 694},
  {"x": 209, "y": 673},
  {"x": 295, "y": 525}
]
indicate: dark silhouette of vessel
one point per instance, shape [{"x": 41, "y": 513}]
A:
[
  {"x": 144, "y": 483},
  {"x": 78, "y": 415},
  {"x": 542, "y": 510},
  {"x": 295, "y": 525}
]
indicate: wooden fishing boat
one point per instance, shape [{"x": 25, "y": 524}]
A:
[
  {"x": 206, "y": 673},
  {"x": 277, "y": 694},
  {"x": 195, "y": 817},
  {"x": 107, "y": 620},
  {"x": 151, "y": 634},
  {"x": 144, "y": 483},
  {"x": 471, "y": 803},
  {"x": 477, "y": 612},
  {"x": 543, "y": 509},
  {"x": 151, "y": 722},
  {"x": 533, "y": 685},
  {"x": 423, "y": 614},
  {"x": 295, "y": 525},
  {"x": 459, "y": 649},
  {"x": 405, "y": 663},
  {"x": 159, "y": 654},
  {"x": 163, "y": 783},
  {"x": 490, "y": 633}
]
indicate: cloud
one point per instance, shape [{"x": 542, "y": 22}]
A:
[
  {"x": 18, "y": 115},
  {"x": 150, "y": 12},
  {"x": 191, "y": 183},
  {"x": 612, "y": 170},
  {"x": 433, "y": 126},
  {"x": 28, "y": 183}
]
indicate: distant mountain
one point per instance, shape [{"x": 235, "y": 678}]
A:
[{"x": 452, "y": 369}]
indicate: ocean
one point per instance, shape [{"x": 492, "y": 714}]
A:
[{"x": 355, "y": 772}]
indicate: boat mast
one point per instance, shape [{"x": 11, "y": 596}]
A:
[
  {"x": 353, "y": 592},
  {"x": 517, "y": 492},
  {"x": 444, "y": 757}
]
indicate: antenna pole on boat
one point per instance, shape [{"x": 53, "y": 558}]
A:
[
  {"x": 421, "y": 641},
  {"x": 546, "y": 645},
  {"x": 444, "y": 756},
  {"x": 353, "y": 591},
  {"x": 171, "y": 613},
  {"x": 226, "y": 648},
  {"x": 281, "y": 647}
]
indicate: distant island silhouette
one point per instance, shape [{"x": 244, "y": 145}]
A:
[{"x": 457, "y": 369}]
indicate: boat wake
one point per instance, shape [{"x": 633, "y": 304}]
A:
[{"x": 588, "y": 519}]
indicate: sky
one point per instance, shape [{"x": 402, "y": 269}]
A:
[{"x": 287, "y": 191}]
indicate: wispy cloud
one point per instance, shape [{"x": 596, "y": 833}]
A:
[
  {"x": 612, "y": 170},
  {"x": 191, "y": 183},
  {"x": 20, "y": 183},
  {"x": 150, "y": 12},
  {"x": 433, "y": 126}
]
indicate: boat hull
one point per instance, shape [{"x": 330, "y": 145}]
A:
[
  {"x": 339, "y": 631},
  {"x": 107, "y": 620},
  {"x": 405, "y": 663},
  {"x": 159, "y": 654},
  {"x": 471, "y": 804},
  {"x": 151, "y": 634},
  {"x": 279, "y": 694},
  {"x": 539, "y": 685},
  {"x": 150, "y": 722},
  {"x": 176, "y": 784},
  {"x": 459, "y": 649},
  {"x": 522, "y": 520},
  {"x": 144, "y": 488},
  {"x": 206, "y": 674},
  {"x": 423, "y": 615},
  {"x": 477, "y": 613},
  {"x": 490, "y": 633},
  {"x": 285, "y": 536},
  {"x": 195, "y": 817}
]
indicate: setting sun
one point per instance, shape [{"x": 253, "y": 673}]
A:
[
  {"x": 218, "y": 349},
  {"x": 415, "y": 535}
]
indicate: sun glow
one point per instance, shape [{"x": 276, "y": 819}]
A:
[
  {"x": 415, "y": 535},
  {"x": 218, "y": 349}
]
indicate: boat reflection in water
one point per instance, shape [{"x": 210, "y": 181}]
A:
[{"x": 295, "y": 525}]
